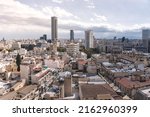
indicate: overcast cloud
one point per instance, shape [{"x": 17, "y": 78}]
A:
[{"x": 107, "y": 18}]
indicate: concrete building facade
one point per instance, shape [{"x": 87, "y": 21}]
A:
[
  {"x": 73, "y": 48},
  {"x": 54, "y": 29},
  {"x": 89, "y": 39},
  {"x": 146, "y": 39},
  {"x": 71, "y": 35}
]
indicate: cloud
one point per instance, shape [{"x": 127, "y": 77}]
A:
[
  {"x": 57, "y": 1},
  {"x": 90, "y": 4},
  {"x": 57, "y": 11},
  {"x": 100, "y": 17},
  {"x": 61, "y": 1},
  {"x": 18, "y": 18}
]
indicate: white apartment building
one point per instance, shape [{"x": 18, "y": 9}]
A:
[
  {"x": 25, "y": 71},
  {"x": 72, "y": 49},
  {"x": 42, "y": 77},
  {"x": 21, "y": 51},
  {"x": 1, "y": 46},
  {"x": 3, "y": 66},
  {"x": 54, "y": 63}
]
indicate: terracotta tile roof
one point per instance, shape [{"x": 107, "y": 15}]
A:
[
  {"x": 127, "y": 83},
  {"x": 82, "y": 62}
]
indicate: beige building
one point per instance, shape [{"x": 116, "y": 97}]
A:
[
  {"x": 67, "y": 83},
  {"x": 91, "y": 67},
  {"x": 41, "y": 77},
  {"x": 72, "y": 49},
  {"x": 12, "y": 67},
  {"x": 25, "y": 93},
  {"x": 25, "y": 71},
  {"x": 81, "y": 64},
  {"x": 53, "y": 63},
  {"x": 19, "y": 85},
  {"x": 16, "y": 46},
  {"x": 3, "y": 66},
  {"x": 68, "y": 86}
]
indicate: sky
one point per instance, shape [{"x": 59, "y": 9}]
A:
[{"x": 22, "y": 19}]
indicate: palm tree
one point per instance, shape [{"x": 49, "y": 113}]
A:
[{"x": 18, "y": 61}]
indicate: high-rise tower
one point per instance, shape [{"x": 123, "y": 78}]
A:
[
  {"x": 71, "y": 35},
  {"x": 89, "y": 39},
  {"x": 54, "y": 29},
  {"x": 146, "y": 39}
]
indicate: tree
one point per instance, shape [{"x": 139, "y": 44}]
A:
[
  {"x": 18, "y": 61},
  {"x": 30, "y": 47},
  {"x": 89, "y": 51},
  {"x": 115, "y": 38},
  {"x": 123, "y": 39},
  {"x": 61, "y": 49}
]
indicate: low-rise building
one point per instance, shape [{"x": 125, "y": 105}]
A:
[
  {"x": 97, "y": 92},
  {"x": 25, "y": 93},
  {"x": 143, "y": 94},
  {"x": 41, "y": 77},
  {"x": 91, "y": 67},
  {"x": 81, "y": 64},
  {"x": 72, "y": 49},
  {"x": 54, "y": 63},
  {"x": 129, "y": 87},
  {"x": 16, "y": 46},
  {"x": 67, "y": 83},
  {"x": 3, "y": 66}
]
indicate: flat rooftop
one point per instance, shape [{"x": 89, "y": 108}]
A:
[
  {"x": 146, "y": 91},
  {"x": 92, "y": 90},
  {"x": 23, "y": 92}
]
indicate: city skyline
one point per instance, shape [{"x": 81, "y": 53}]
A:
[{"x": 30, "y": 18}]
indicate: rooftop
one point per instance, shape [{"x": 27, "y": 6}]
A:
[
  {"x": 23, "y": 92},
  {"x": 27, "y": 89},
  {"x": 146, "y": 91},
  {"x": 93, "y": 90},
  {"x": 126, "y": 82},
  {"x": 107, "y": 64},
  {"x": 3, "y": 64}
]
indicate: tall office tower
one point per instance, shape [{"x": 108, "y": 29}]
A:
[
  {"x": 45, "y": 37},
  {"x": 54, "y": 33},
  {"x": 146, "y": 39},
  {"x": 89, "y": 39},
  {"x": 71, "y": 35}
]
